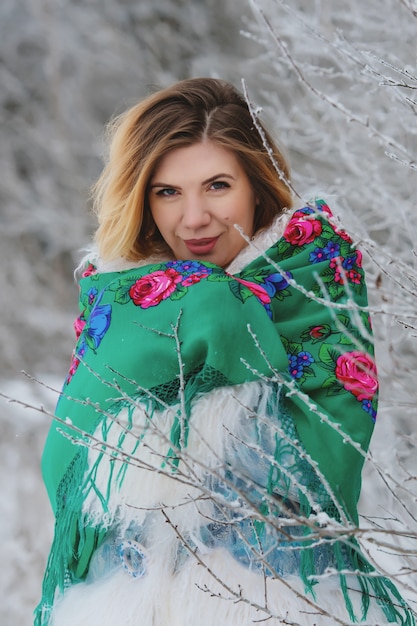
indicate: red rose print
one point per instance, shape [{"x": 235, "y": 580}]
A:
[
  {"x": 357, "y": 373},
  {"x": 320, "y": 332},
  {"x": 301, "y": 230},
  {"x": 151, "y": 289},
  {"x": 89, "y": 271}
]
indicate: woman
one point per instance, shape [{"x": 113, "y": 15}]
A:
[{"x": 205, "y": 464}]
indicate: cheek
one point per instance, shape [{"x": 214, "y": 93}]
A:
[
  {"x": 248, "y": 219},
  {"x": 162, "y": 220}
]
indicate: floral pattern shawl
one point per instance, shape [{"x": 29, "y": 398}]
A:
[{"x": 296, "y": 314}]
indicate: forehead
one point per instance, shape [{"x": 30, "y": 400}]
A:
[{"x": 201, "y": 159}]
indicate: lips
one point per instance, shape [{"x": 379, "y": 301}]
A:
[{"x": 201, "y": 246}]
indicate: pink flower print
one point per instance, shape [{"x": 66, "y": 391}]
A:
[
  {"x": 354, "y": 277},
  {"x": 301, "y": 230},
  {"x": 79, "y": 325},
  {"x": 75, "y": 361},
  {"x": 357, "y": 373},
  {"x": 257, "y": 290},
  {"x": 89, "y": 271},
  {"x": 193, "y": 279},
  {"x": 73, "y": 368},
  {"x": 339, "y": 273},
  {"x": 324, "y": 207},
  {"x": 359, "y": 257},
  {"x": 151, "y": 289},
  {"x": 339, "y": 231},
  {"x": 345, "y": 268}
]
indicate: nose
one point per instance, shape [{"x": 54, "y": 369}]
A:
[{"x": 195, "y": 212}]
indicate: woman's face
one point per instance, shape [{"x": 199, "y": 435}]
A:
[{"x": 196, "y": 195}]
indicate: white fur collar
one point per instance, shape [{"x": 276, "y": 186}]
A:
[{"x": 260, "y": 242}]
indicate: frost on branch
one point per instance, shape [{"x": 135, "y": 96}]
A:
[{"x": 341, "y": 95}]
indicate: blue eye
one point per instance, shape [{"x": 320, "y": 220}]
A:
[
  {"x": 220, "y": 184},
  {"x": 166, "y": 192}
]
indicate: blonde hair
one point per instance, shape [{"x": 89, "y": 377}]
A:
[{"x": 186, "y": 113}]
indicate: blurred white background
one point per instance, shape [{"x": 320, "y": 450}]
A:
[{"x": 337, "y": 84}]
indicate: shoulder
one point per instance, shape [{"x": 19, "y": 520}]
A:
[
  {"x": 297, "y": 227},
  {"x": 311, "y": 221}
]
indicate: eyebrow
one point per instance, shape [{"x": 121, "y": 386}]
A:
[{"x": 205, "y": 182}]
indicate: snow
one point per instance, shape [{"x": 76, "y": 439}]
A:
[{"x": 336, "y": 82}]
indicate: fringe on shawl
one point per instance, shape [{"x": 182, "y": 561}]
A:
[
  {"x": 76, "y": 539},
  {"x": 71, "y": 535}
]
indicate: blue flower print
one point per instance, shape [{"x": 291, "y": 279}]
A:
[
  {"x": 91, "y": 294},
  {"x": 191, "y": 271},
  {"x": 184, "y": 267},
  {"x": 305, "y": 359},
  {"x": 367, "y": 406},
  {"x": 349, "y": 262},
  {"x": 317, "y": 255},
  {"x": 189, "y": 267},
  {"x": 276, "y": 282},
  {"x": 90, "y": 329},
  {"x": 296, "y": 370},
  {"x": 299, "y": 362},
  {"x": 98, "y": 324},
  {"x": 331, "y": 250}
]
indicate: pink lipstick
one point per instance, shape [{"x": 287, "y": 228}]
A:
[{"x": 201, "y": 246}]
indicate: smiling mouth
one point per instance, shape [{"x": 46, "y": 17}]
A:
[{"x": 201, "y": 246}]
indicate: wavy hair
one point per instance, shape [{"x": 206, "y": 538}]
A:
[{"x": 188, "y": 112}]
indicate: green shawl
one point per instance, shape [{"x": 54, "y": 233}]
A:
[{"x": 296, "y": 314}]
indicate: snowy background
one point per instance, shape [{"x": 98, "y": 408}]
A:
[{"x": 337, "y": 84}]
